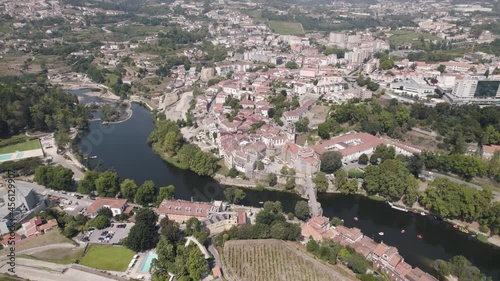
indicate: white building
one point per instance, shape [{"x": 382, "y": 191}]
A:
[
  {"x": 476, "y": 89},
  {"x": 413, "y": 87}
]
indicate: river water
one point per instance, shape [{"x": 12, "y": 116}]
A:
[{"x": 123, "y": 147}]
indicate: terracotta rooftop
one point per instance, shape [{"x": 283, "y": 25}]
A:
[
  {"x": 105, "y": 202},
  {"x": 349, "y": 144},
  {"x": 185, "y": 208}
]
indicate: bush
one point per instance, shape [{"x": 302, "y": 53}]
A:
[{"x": 483, "y": 228}]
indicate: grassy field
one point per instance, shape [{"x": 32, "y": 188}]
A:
[
  {"x": 402, "y": 37},
  {"x": 12, "y": 140},
  {"x": 23, "y": 146},
  {"x": 60, "y": 256},
  {"x": 376, "y": 198},
  {"x": 256, "y": 15},
  {"x": 107, "y": 258},
  {"x": 274, "y": 260},
  {"x": 286, "y": 27}
]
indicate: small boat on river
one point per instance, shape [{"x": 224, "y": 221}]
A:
[
  {"x": 381, "y": 233},
  {"x": 423, "y": 214},
  {"x": 455, "y": 226},
  {"x": 420, "y": 236},
  {"x": 403, "y": 231},
  {"x": 396, "y": 207},
  {"x": 356, "y": 218},
  {"x": 464, "y": 230}
]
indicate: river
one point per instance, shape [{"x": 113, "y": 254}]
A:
[{"x": 123, "y": 147}]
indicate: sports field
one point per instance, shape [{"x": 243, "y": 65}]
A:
[
  {"x": 107, "y": 258},
  {"x": 286, "y": 27}
]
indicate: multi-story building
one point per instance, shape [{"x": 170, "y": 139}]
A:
[{"x": 476, "y": 89}]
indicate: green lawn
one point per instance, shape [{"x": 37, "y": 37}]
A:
[
  {"x": 402, "y": 37},
  {"x": 111, "y": 79},
  {"x": 60, "y": 256},
  {"x": 13, "y": 140},
  {"x": 256, "y": 15},
  {"x": 107, "y": 258},
  {"x": 23, "y": 146},
  {"x": 286, "y": 27}
]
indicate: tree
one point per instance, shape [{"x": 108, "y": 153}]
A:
[
  {"x": 321, "y": 182},
  {"x": 290, "y": 183},
  {"x": 272, "y": 179},
  {"x": 284, "y": 170},
  {"x": 291, "y": 65},
  {"x": 169, "y": 229},
  {"x": 336, "y": 221},
  {"x": 145, "y": 194},
  {"x": 331, "y": 161},
  {"x": 196, "y": 264},
  {"x": 172, "y": 142},
  {"x": 302, "y": 210},
  {"x": 192, "y": 225},
  {"x": 107, "y": 184},
  {"x": 54, "y": 177},
  {"x": 187, "y": 154},
  {"x": 204, "y": 163},
  {"x": 324, "y": 131},
  {"x": 441, "y": 68},
  {"x": 302, "y": 124},
  {"x": 99, "y": 222},
  {"x": 128, "y": 188},
  {"x": 260, "y": 165},
  {"x": 166, "y": 192},
  {"x": 234, "y": 194},
  {"x": 494, "y": 166},
  {"x": 415, "y": 163},
  {"x": 105, "y": 212},
  {"x": 143, "y": 235},
  {"x": 363, "y": 159},
  {"x": 232, "y": 173},
  {"x": 350, "y": 187},
  {"x": 87, "y": 184}
]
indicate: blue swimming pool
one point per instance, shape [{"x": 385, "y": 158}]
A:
[
  {"x": 20, "y": 155},
  {"x": 4, "y": 157},
  {"x": 147, "y": 263}
]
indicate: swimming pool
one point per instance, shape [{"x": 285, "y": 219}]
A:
[
  {"x": 20, "y": 155},
  {"x": 4, "y": 157},
  {"x": 147, "y": 263}
]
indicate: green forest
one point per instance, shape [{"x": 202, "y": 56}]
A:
[{"x": 38, "y": 107}]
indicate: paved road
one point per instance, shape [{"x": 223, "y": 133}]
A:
[
  {"x": 496, "y": 194},
  {"x": 215, "y": 254}
]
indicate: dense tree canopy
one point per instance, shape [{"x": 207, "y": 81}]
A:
[
  {"x": 39, "y": 108},
  {"x": 54, "y": 177},
  {"x": 331, "y": 161},
  {"x": 143, "y": 235}
]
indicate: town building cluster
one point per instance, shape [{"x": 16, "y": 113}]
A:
[{"x": 383, "y": 256}]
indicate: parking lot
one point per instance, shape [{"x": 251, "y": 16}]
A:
[{"x": 118, "y": 234}]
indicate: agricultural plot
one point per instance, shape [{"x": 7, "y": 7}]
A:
[
  {"x": 249, "y": 260},
  {"x": 402, "y": 37},
  {"x": 286, "y": 27}
]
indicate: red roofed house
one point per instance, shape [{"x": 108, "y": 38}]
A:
[
  {"x": 351, "y": 235},
  {"x": 318, "y": 228},
  {"x": 35, "y": 226},
  {"x": 489, "y": 150},
  {"x": 181, "y": 211},
  {"x": 351, "y": 146},
  {"x": 117, "y": 206}
]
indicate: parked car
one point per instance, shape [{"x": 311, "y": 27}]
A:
[
  {"x": 101, "y": 239},
  {"x": 104, "y": 233}
]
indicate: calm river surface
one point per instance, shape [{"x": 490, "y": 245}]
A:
[{"x": 123, "y": 147}]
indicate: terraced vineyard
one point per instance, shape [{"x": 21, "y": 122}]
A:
[{"x": 248, "y": 260}]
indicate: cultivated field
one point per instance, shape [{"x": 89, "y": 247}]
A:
[
  {"x": 107, "y": 258},
  {"x": 23, "y": 146},
  {"x": 402, "y": 37},
  {"x": 248, "y": 260},
  {"x": 286, "y": 27}
]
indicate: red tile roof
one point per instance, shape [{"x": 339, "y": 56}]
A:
[
  {"x": 184, "y": 208},
  {"x": 105, "y": 202},
  {"x": 349, "y": 144}
]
